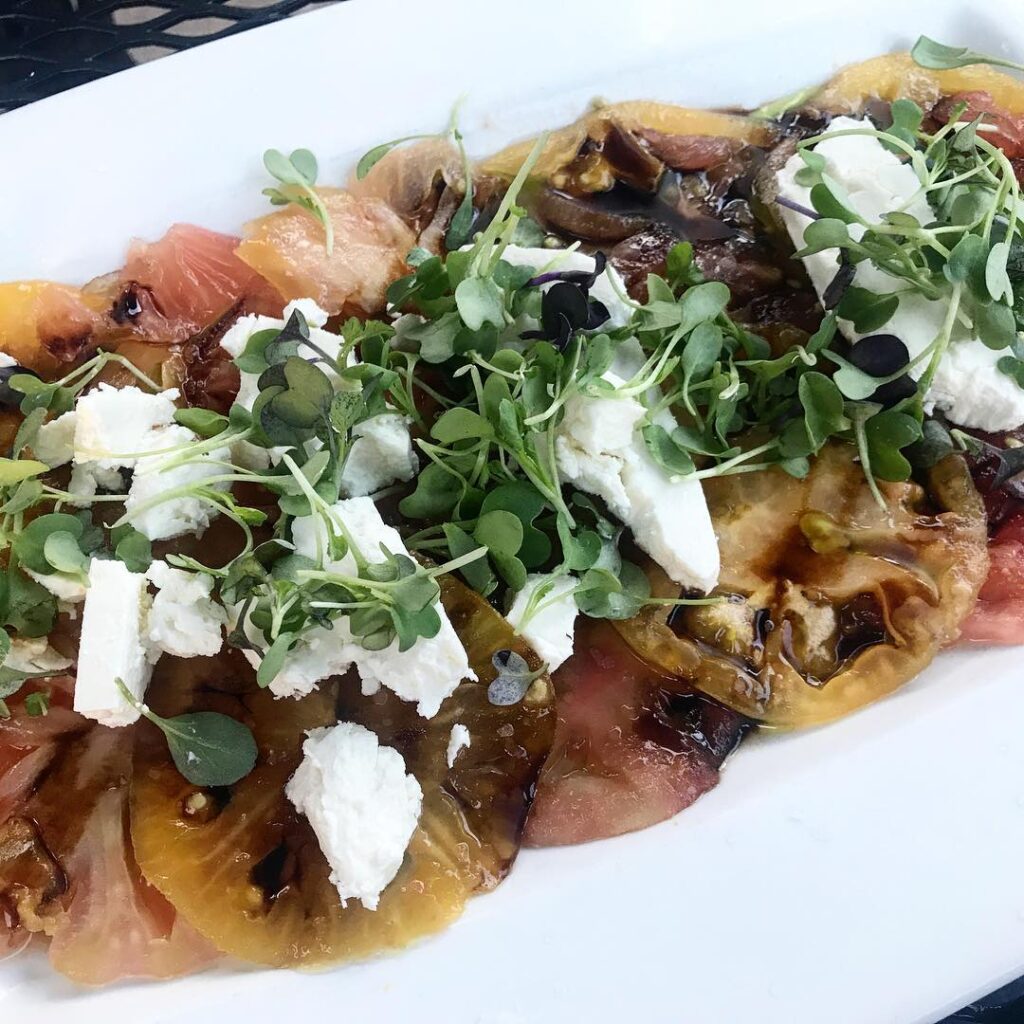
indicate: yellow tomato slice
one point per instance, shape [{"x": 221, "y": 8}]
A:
[
  {"x": 563, "y": 145},
  {"x": 896, "y": 76},
  {"x": 833, "y": 602},
  {"x": 244, "y": 868}
]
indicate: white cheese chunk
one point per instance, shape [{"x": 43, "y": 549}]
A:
[
  {"x": 6, "y": 360},
  {"x": 156, "y": 477},
  {"x": 54, "y": 443},
  {"x": 113, "y": 644},
  {"x": 35, "y": 655},
  {"x": 114, "y": 425},
  {"x": 552, "y": 619},
  {"x": 381, "y": 454},
  {"x": 458, "y": 740},
  {"x": 237, "y": 337},
  {"x": 426, "y": 673},
  {"x": 318, "y": 654},
  {"x": 967, "y": 386},
  {"x": 361, "y": 804},
  {"x": 64, "y": 588},
  {"x": 599, "y": 449},
  {"x": 184, "y": 620},
  {"x": 607, "y": 289},
  {"x": 87, "y": 478}
]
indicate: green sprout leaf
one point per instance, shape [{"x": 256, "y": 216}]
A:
[
  {"x": 666, "y": 451},
  {"x": 604, "y": 594},
  {"x": 13, "y": 471},
  {"x": 203, "y": 422},
  {"x": 994, "y": 324},
  {"x": 208, "y": 748},
  {"x": 888, "y": 432},
  {"x": 37, "y": 704},
  {"x": 513, "y": 680},
  {"x": 823, "y": 408},
  {"x": 939, "y": 57},
  {"x": 868, "y": 310},
  {"x": 132, "y": 547},
  {"x": 997, "y": 280},
  {"x": 480, "y": 301},
  {"x": 297, "y": 174}
]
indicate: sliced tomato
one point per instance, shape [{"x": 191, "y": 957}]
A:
[
  {"x": 28, "y": 743},
  {"x": 371, "y": 243},
  {"x": 410, "y": 180},
  {"x": 690, "y": 152},
  {"x": 116, "y": 924},
  {"x": 186, "y": 280},
  {"x": 246, "y": 869},
  {"x": 998, "y": 618},
  {"x": 43, "y": 325},
  {"x": 831, "y": 602},
  {"x": 67, "y": 870},
  {"x": 633, "y": 746},
  {"x": 1004, "y": 130}
]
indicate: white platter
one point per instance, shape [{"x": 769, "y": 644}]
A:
[{"x": 865, "y": 873}]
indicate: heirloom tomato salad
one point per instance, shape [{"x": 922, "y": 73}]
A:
[{"x": 474, "y": 504}]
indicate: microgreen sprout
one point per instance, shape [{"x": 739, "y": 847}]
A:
[
  {"x": 208, "y": 748},
  {"x": 939, "y": 57},
  {"x": 297, "y": 175},
  {"x": 514, "y": 678}
]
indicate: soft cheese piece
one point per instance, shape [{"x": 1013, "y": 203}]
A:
[
  {"x": 113, "y": 424},
  {"x": 318, "y": 654},
  {"x": 54, "y": 443},
  {"x": 87, "y": 478},
  {"x": 600, "y": 450},
  {"x": 64, "y": 588},
  {"x": 458, "y": 740},
  {"x": 362, "y": 805},
  {"x": 157, "y": 476},
  {"x": 381, "y": 454},
  {"x": 426, "y": 673},
  {"x": 113, "y": 644},
  {"x": 184, "y": 620},
  {"x": 549, "y": 629},
  {"x": 608, "y": 288},
  {"x": 35, "y": 655},
  {"x": 7, "y": 361},
  {"x": 237, "y": 337},
  {"x": 967, "y": 387}
]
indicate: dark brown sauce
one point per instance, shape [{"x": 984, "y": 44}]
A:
[
  {"x": 275, "y": 873},
  {"x": 861, "y": 625},
  {"x": 689, "y": 723}
]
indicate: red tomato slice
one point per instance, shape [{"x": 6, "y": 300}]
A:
[
  {"x": 632, "y": 746},
  {"x": 189, "y": 278},
  {"x": 998, "y": 618}
]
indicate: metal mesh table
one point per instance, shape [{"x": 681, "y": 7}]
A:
[{"x": 47, "y": 46}]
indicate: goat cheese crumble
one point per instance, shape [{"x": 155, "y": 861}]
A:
[
  {"x": 458, "y": 740},
  {"x": 54, "y": 442},
  {"x": 381, "y": 454},
  {"x": 362, "y": 805},
  {"x": 114, "y": 644},
  {"x": 426, "y": 673},
  {"x": 148, "y": 507},
  {"x": 184, "y": 620},
  {"x": 599, "y": 449},
  {"x": 35, "y": 655},
  {"x": 967, "y": 386},
  {"x": 551, "y": 621}
]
